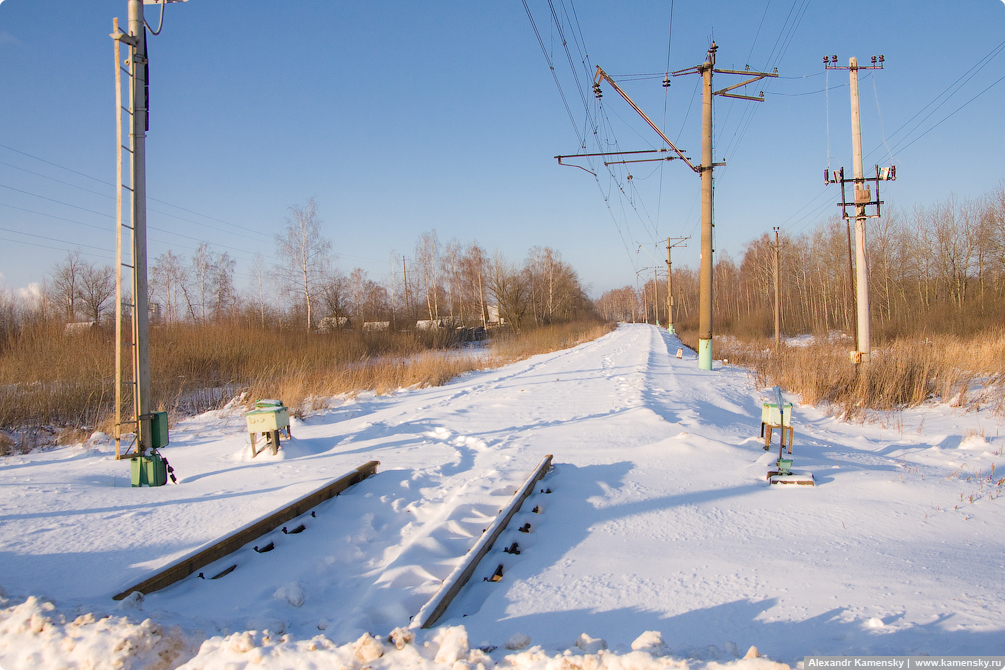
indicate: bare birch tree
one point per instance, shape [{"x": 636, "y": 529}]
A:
[
  {"x": 65, "y": 284},
  {"x": 307, "y": 255}
]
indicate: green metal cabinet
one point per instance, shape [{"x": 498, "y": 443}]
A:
[{"x": 149, "y": 469}]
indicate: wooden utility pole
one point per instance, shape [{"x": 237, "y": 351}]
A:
[
  {"x": 778, "y": 313},
  {"x": 677, "y": 242},
  {"x": 862, "y": 198}
]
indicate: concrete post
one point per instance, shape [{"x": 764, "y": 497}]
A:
[
  {"x": 137, "y": 135},
  {"x": 861, "y": 266}
]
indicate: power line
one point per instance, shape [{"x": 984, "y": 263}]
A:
[
  {"x": 756, "y": 34},
  {"x": 111, "y": 185},
  {"x": 962, "y": 80},
  {"x": 46, "y": 246},
  {"x": 554, "y": 74},
  {"x": 952, "y": 113},
  {"x": 91, "y": 211},
  {"x": 50, "y": 239}
]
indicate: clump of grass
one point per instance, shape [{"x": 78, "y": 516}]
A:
[
  {"x": 50, "y": 379},
  {"x": 516, "y": 346},
  {"x": 904, "y": 373},
  {"x": 6, "y": 444}
]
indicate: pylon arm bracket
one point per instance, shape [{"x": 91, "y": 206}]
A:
[
  {"x": 742, "y": 97},
  {"x": 123, "y": 37},
  {"x": 758, "y": 76},
  {"x": 615, "y": 153},
  {"x": 642, "y": 160},
  {"x": 603, "y": 75},
  {"x": 573, "y": 165}
]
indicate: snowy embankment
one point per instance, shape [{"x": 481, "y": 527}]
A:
[{"x": 659, "y": 519}]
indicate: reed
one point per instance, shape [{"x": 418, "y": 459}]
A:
[
  {"x": 906, "y": 372},
  {"x": 51, "y": 379}
]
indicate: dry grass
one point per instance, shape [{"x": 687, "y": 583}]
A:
[
  {"x": 49, "y": 379},
  {"x": 904, "y": 373},
  {"x": 512, "y": 347}
]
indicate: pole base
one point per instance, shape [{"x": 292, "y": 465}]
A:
[{"x": 704, "y": 354}]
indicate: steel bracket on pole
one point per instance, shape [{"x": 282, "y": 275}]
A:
[
  {"x": 869, "y": 201},
  {"x": 127, "y": 39}
]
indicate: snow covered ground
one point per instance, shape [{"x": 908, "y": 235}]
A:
[{"x": 659, "y": 520}]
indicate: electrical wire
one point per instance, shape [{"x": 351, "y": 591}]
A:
[
  {"x": 104, "y": 256},
  {"x": 817, "y": 92},
  {"x": 112, "y": 185},
  {"x": 666, "y": 98},
  {"x": 554, "y": 74},
  {"x": 50, "y": 239},
  {"x": 882, "y": 128},
  {"x": 751, "y": 53},
  {"x": 111, "y": 197},
  {"x": 110, "y": 216},
  {"x": 998, "y": 81},
  {"x": 962, "y": 80},
  {"x": 160, "y": 26}
]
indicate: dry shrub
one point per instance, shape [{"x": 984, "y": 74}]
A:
[
  {"x": 50, "y": 379},
  {"x": 72, "y": 435},
  {"x": 6, "y": 444},
  {"x": 904, "y": 373},
  {"x": 510, "y": 346}
]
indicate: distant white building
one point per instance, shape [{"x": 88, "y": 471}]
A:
[
  {"x": 78, "y": 327},
  {"x": 376, "y": 325},
  {"x": 330, "y": 324}
]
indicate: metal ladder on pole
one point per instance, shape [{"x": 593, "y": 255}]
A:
[{"x": 121, "y": 228}]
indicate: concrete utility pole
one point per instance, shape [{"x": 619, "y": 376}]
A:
[
  {"x": 677, "y": 242},
  {"x": 861, "y": 267},
  {"x": 862, "y": 199},
  {"x": 136, "y": 41},
  {"x": 404, "y": 273},
  {"x": 138, "y": 141},
  {"x": 706, "y": 269},
  {"x": 778, "y": 313},
  {"x": 705, "y": 170},
  {"x": 706, "y": 70},
  {"x": 656, "y": 293}
]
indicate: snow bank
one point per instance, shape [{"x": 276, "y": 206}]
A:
[
  {"x": 444, "y": 649},
  {"x": 34, "y": 635}
]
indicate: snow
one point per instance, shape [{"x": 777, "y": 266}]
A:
[{"x": 661, "y": 544}]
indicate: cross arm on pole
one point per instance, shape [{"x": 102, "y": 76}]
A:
[
  {"x": 724, "y": 92},
  {"x": 601, "y": 75}
]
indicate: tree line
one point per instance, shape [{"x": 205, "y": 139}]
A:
[
  {"x": 453, "y": 284},
  {"x": 937, "y": 268},
  {"x": 457, "y": 284}
]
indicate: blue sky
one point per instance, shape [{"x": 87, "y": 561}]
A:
[{"x": 401, "y": 117}]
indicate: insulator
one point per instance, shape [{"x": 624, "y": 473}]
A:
[{"x": 666, "y": 82}]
